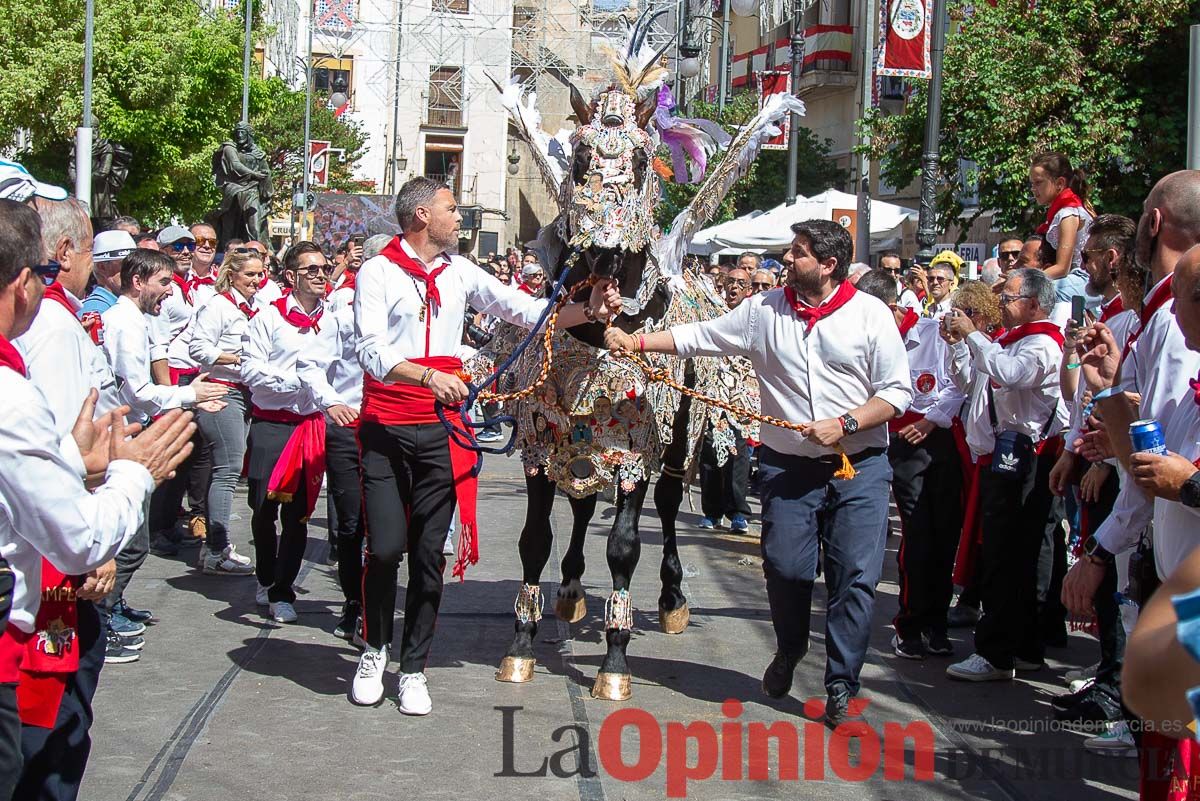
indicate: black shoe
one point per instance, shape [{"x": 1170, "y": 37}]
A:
[
  {"x": 161, "y": 545},
  {"x": 777, "y": 680},
  {"x": 908, "y": 647},
  {"x": 962, "y": 616},
  {"x": 938, "y": 644},
  {"x": 1093, "y": 712},
  {"x": 1054, "y": 635},
  {"x": 837, "y": 709},
  {"x": 347, "y": 627},
  {"x": 1068, "y": 700},
  {"x": 136, "y": 615},
  {"x": 115, "y": 652}
]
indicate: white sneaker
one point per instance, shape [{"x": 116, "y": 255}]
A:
[
  {"x": 976, "y": 668},
  {"x": 226, "y": 563},
  {"x": 414, "y": 695},
  {"x": 260, "y": 596},
  {"x": 448, "y": 545},
  {"x": 1079, "y": 684},
  {"x": 1083, "y": 673},
  {"x": 283, "y": 612},
  {"x": 367, "y": 689},
  {"x": 1117, "y": 741}
]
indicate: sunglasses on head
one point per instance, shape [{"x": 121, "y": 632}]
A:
[
  {"x": 184, "y": 246},
  {"x": 48, "y": 272},
  {"x": 249, "y": 252}
]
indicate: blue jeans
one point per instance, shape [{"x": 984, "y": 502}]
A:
[
  {"x": 225, "y": 433},
  {"x": 806, "y": 510}
]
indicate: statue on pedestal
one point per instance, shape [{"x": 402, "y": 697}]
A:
[
  {"x": 110, "y": 169},
  {"x": 242, "y": 173}
]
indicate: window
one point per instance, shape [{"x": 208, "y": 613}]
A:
[
  {"x": 332, "y": 74},
  {"x": 452, "y": 6},
  {"x": 445, "y": 97},
  {"x": 443, "y": 160},
  {"x": 334, "y": 15}
]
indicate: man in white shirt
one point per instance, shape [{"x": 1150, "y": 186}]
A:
[
  {"x": 927, "y": 481},
  {"x": 203, "y": 276},
  {"x": 286, "y": 445},
  {"x": 409, "y": 309},
  {"x": 891, "y": 264},
  {"x": 829, "y": 358},
  {"x": 1025, "y": 407},
  {"x": 45, "y": 509},
  {"x": 942, "y": 278}
]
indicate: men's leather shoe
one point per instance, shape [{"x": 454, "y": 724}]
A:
[{"x": 777, "y": 680}]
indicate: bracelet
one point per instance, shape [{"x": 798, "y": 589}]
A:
[
  {"x": 589, "y": 313},
  {"x": 641, "y": 344},
  {"x": 425, "y": 376},
  {"x": 1106, "y": 393}
]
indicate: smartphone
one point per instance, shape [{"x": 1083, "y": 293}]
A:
[
  {"x": 1077, "y": 308},
  {"x": 973, "y": 270}
]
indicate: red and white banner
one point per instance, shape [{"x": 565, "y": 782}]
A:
[
  {"x": 904, "y": 38},
  {"x": 774, "y": 83},
  {"x": 318, "y": 163},
  {"x": 821, "y": 43}
]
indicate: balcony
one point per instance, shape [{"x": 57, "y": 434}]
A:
[
  {"x": 444, "y": 117},
  {"x": 463, "y": 186}
]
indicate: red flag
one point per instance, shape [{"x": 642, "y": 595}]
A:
[{"x": 904, "y": 49}]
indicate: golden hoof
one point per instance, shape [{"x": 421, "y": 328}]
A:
[
  {"x": 570, "y": 609},
  {"x": 674, "y": 621},
  {"x": 516, "y": 669},
  {"x": 612, "y": 687}
]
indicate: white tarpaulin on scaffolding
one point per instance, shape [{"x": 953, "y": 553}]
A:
[{"x": 771, "y": 230}]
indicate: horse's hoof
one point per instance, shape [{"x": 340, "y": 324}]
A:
[
  {"x": 516, "y": 669},
  {"x": 570, "y": 609},
  {"x": 674, "y": 621},
  {"x": 612, "y": 687}
]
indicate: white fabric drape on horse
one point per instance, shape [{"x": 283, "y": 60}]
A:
[{"x": 771, "y": 230}]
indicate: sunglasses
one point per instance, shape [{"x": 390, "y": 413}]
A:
[
  {"x": 249, "y": 251},
  {"x": 313, "y": 272},
  {"x": 892, "y": 270},
  {"x": 1006, "y": 299},
  {"x": 204, "y": 241},
  {"x": 937, "y": 279},
  {"x": 180, "y": 247},
  {"x": 968, "y": 311},
  {"x": 1008, "y": 255},
  {"x": 48, "y": 272}
]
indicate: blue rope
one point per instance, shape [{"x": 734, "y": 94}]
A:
[{"x": 465, "y": 437}]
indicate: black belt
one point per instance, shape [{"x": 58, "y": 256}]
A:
[{"x": 836, "y": 458}]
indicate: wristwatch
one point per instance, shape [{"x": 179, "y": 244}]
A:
[
  {"x": 1189, "y": 493},
  {"x": 849, "y": 424},
  {"x": 1096, "y": 553}
]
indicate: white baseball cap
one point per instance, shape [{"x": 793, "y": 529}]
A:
[
  {"x": 17, "y": 184},
  {"x": 112, "y": 245}
]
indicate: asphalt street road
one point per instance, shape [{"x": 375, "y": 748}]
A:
[{"x": 226, "y": 705}]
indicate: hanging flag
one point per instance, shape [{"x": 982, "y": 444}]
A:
[
  {"x": 904, "y": 48},
  {"x": 318, "y": 163},
  {"x": 821, "y": 43},
  {"x": 774, "y": 83}
]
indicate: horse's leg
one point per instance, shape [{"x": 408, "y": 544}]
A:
[
  {"x": 571, "y": 605},
  {"x": 624, "y": 547},
  {"x": 534, "y": 547},
  {"x": 673, "y": 613}
]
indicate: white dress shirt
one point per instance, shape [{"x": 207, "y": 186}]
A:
[
  {"x": 977, "y": 424},
  {"x": 65, "y": 364},
  {"x": 217, "y": 328},
  {"x": 937, "y": 311},
  {"x": 1177, "y": 527},
  {"x": 808, "y": 373},
  {"x": 1122, "y": 326},
  {"x": 45, "y": 509},
  {"x": 389, "y": 303},
  {"x": 909, "y": 299},
  {"x": 270, "y": 348},
  {"x": 1028, "y": 398},
  {"x": 127, "y": 344},
  {"x": 172, "y": 334},
  {"x": 267, "y": 294},
  {"x": 1158, "y": 366},
  {"x": 934, "y": 393},
  {"x": 328, "y": 367}
]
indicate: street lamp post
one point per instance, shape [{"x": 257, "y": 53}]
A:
[
  {"x": 723, "y": 66},
  {"x": 927, "y": 221},
  {"x": 246, "y": 63},
  {"x": 308, "y": 87},
  {"x": 83, "y": 135},
  {"x": 797, "y": 70},
  {"x": 862, "y": 244}
]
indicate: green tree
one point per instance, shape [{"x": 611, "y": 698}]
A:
[
  {"x": 764, "y": 186},
  {"x": 167, "y": 84},
  {"x": 1098, "y": 80}
]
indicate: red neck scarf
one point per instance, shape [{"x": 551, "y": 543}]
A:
[
  {"x": 10, "y": 358},
  {"x": 527, "y": 289},
  {"x": 1029, "y": 329},
  {"x": 58, "y": 294},
  {"x": 198, "y": 280},
  {"x": 1112, "y": 309},
  {"x": 1067, "y": 199},
  {"x": 185, "y": 287},
  {"x": 812, "y": 314},
  {"x": 241, "y": 305},
  {"x": 1158, "y": 298},
  {"x": 396, "y": 255},
  {"x": 297, "y": 317},
  {"x": 910, "y": 319},
  {"x": 349, "y": 280}
]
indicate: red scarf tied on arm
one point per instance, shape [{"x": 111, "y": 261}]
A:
[
  {"x": 813, "y": 314},
  {"x": 395, "y": 253},
  {"x": 406, "y": 404},
  {"x": 1067, "y": 199}
]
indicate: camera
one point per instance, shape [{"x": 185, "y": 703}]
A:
[{"x": 475, "y": 335}]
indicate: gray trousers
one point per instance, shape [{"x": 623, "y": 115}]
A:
[{"x": 225, "y": 434}]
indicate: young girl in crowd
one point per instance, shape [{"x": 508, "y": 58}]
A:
[{"x": 1063, "y": 190}]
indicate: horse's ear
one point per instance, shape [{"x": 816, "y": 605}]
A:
[
  {"x": 582, "y": 109},
  {"x": 645, "y": 109}
]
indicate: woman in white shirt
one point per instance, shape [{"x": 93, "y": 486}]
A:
[{"x": 216, "y": 344}]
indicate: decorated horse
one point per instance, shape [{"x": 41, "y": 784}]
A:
[{"x": 590, "y": 419}]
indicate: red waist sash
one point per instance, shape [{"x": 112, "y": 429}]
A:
[
  {"x": 408, "y": 404},
  {"x": 13, "y": 643},
  {"x": 302, "y": 458},
  {"x": 181, "y": 372}
]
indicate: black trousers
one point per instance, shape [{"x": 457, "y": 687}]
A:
[
  {"x": 277, "y": 560},
  {"x": 10, "y": 741},
  {"x": 129, "y": 559},
  {"x": 191, "y": 479},
  {"x": 927, "y": 483},
  {"x": 408, "y": 496},
  {"x": 1015, "y": 510},
  {"x": 723, "y": 489},
  {"x": 343, "y": 472},
  {"x": 55, "y": 759}
]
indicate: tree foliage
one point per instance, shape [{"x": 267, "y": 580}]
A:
[
  {"x": 167, "y": 84},
  {"x": 764, "y": 186},
  {"x": 1103, "y": 81}
]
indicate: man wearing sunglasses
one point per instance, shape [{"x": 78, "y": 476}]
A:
[
  {"x": 286, "y": 445},
  {"x": 203, "y": 275},
  {"x": 1008, "y": 254},
  {"x": 890, "y": 263},
  {"x": 942, "y": 279},
  {"x": 761, "y": 281}
]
